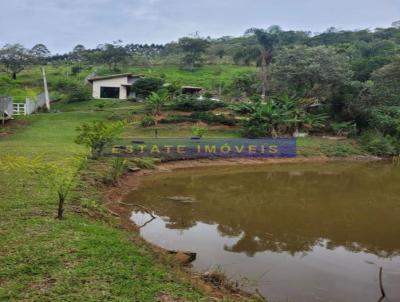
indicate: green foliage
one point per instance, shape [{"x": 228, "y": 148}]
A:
[
  {"x": 343, "y": 128},
  {"x": 213, "y": 119},
  {"x": 147, "y": 121},
  {"x": 109, "y": 54},
  {"x": 78, "y": 93},
  {"x": 75, "y": 69},
  {"x": 340, "y": 150},
  {"x": 282, "y": 115},
  {"x": 190, "y": 104},
  {"x": 118, "y": 168},
  {"x": 379, "y": 144},
  {"x": 14, "y": 58},
  {"x": 146, "y": 162},
  {"x": 193, "y": 49},
  {"x": 386, "y": 120},
  {"x": 176, "y": 119},
  {"x": 386, "y": 87},
  {"x": 314, "y": 72},
  {"x": 254, "y": 127},
  {"x": 145, "y": 86},
  {"x": 198, "y": 131},
  {"x": 155, "y": 103},
  {"x": 243, "y": 84},
  {"x": 96, "y": 135}
]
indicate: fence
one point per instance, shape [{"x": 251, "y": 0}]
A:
[
  {"x": 31, "y": 106},
  {"x": 19, "y": 109},
  {"x": 6, "y": 107}
]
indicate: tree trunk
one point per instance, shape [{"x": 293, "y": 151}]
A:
[
  {"x": 61, "y": 200},
  {"x": 264, "y": 75},
  {"x": 14, "y": 76}
]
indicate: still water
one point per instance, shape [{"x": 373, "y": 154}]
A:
[{"x": 297, "y": 232}]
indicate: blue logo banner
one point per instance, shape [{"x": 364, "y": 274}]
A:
[{"x": 180, "y": 148}]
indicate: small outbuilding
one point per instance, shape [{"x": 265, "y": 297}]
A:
[
  {"x": 117, "y": 86},
  {"x": 191, "y": 90}
]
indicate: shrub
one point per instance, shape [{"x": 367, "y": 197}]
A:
[
  {"x": 343, "y": 128},
  {"x": 386, "y": 120},
  {"x": 176, "y": 119},
  {"x": 78, "y": 94},
  {"x": 243, "y": 84},
  {"x": 189, "y": 104},
  {"x": 116, "y": 116},
  {"x": 212, "y": 119},
  {"x": 146, "y": 162},
  {"x": 148, "y": 121},
  {"x": 380, "y": 145},
  {"x": 96, "y": 135},
  {"x": 199, "y": 131},
  {"x": 75, "y": 69},
  {"x": 144, "y": 87},
  {"x": 117, "y": 169},
  {"x": 340, "y": 150},
  {"x": 255, "y": 127}
]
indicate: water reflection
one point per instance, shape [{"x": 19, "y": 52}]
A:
[
  {"x": 286, "y": 208},
  {"x": 293, "y": 210}
]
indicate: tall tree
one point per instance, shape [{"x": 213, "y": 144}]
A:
[
  {"x": 111, "y": 54},
  {"x": 40, "y": 53},
  {"x": 261, "y": 52},
  {"x": 386, "y": 88},
  {"x": 193, "y": 49},
  {"x": 396, "y": 24},
  {"x": 14, "y": 58},
  {"x": 313, "y": 72},
  {"x": 78, "y": 53}
]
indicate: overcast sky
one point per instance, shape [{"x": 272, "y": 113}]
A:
[{"x": 61, "y": 24}]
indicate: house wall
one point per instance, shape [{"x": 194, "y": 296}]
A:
[{"x": 117, "y": 82}]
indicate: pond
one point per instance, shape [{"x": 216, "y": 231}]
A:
[{"x": 297, "y": 232}]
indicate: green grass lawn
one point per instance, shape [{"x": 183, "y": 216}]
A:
[{"x": 78, "y": 259}]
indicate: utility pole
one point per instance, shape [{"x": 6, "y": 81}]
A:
[{"x": 46, "y": 91}]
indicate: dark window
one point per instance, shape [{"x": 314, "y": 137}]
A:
[{"x": 109, "y": 92}]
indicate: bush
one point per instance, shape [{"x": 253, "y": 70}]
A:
[
  {"x": 144, "y": 87},
  {"x": 146, "y": 162},
  {"x": 212, "y": 119},
  {"x": 176, "y": 119},
  {"x": 343, "y": 128},
  {"x": 96, "y": 135},
  {"x": 254, "y": 128},
  {"x": 148, "y": 121},
  {"x": 75, "y": 69},
  {"x": 118, "y": 168},
  {"x": 386, "y": 120},
  {"x": 189, "y": 104},
  {"x": 116, "y": 116},
  {"x": 79, "y": 93},
  {"x": 199, "y": 131},
  {"x": 380, "y": 145}
]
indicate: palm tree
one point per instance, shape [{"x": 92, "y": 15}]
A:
[
  {"x": 261, "y": 53},
  {"x": 155, "y": 103}
]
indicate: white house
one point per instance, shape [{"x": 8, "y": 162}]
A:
[{"x": 115, "y": 86}]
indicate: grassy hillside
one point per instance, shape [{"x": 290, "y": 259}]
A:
[{"x": 29, "y": 82}]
